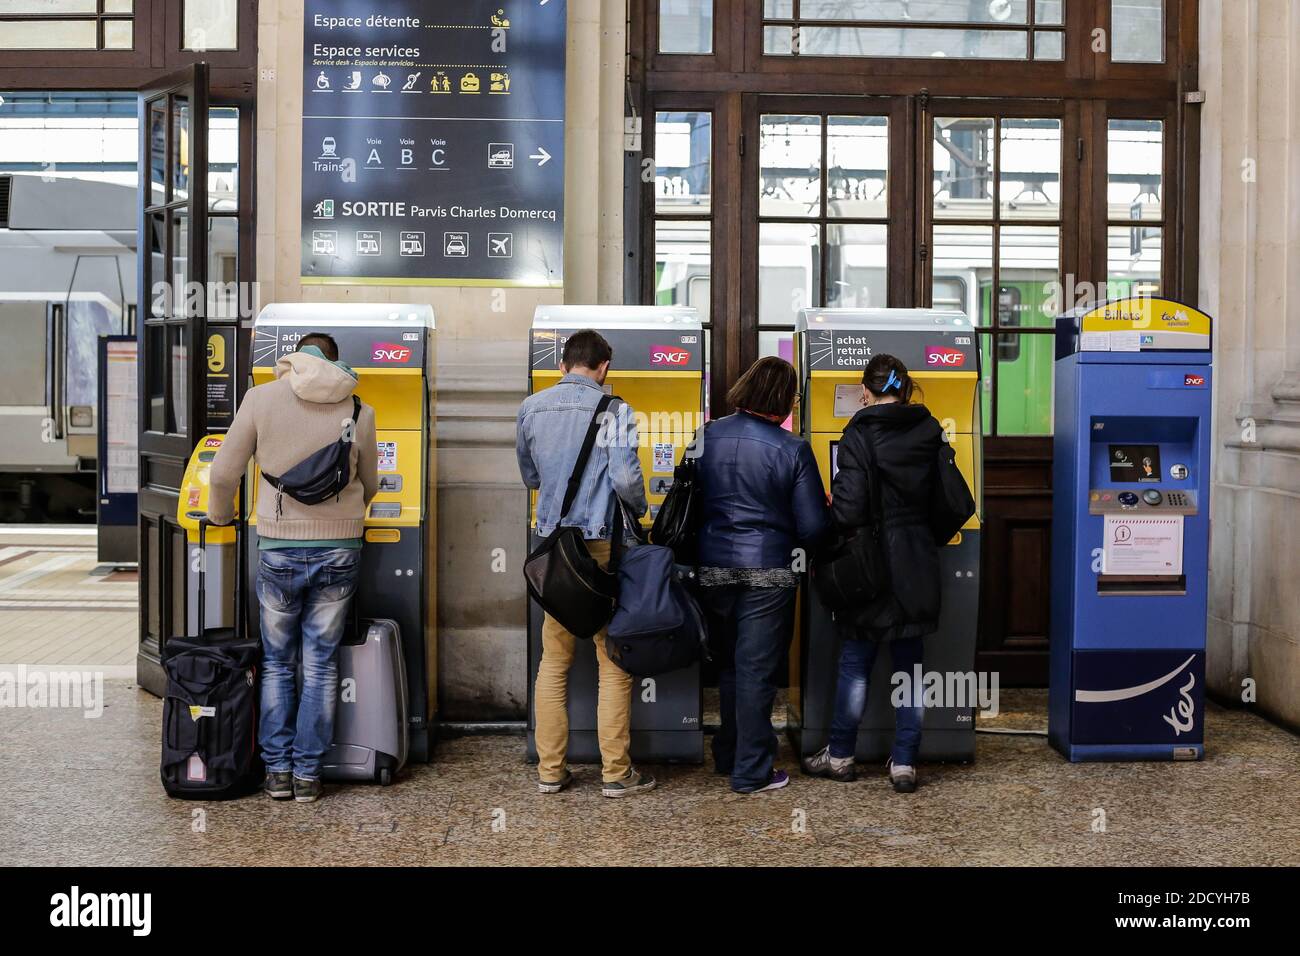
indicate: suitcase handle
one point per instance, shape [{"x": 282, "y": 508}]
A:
[{"x": 204, "y": 523}]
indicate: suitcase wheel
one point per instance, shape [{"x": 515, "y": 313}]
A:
[{"x": 385, "y": 776}]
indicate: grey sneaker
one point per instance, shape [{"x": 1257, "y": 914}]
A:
[
  {"x": 822, "y": 764},
  {"x": 307, "y": 791},
  {"x": 635, "y": 782},
  {"x": 279, "y": 786},
  {"x": 902, "y": 777},
  {"x": 547, "y": 786}
]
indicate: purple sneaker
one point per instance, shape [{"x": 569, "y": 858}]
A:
[{"x": 778, "y": 780}]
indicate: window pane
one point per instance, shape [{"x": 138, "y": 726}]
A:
[
  {"x": 1137, "y": 31},
  {"x": 1030, "y": 273},
  {"x": 790, "y": 163},
  {"x": 963, "y": 168},
  {"x": 211, "y": 25},
  {"x": 778, "y": 9},
  {"x": 158, "y": 151},
  {"x": 180, "y": 147},
  {"x": 1134, "y": 260},
  {"x": 119, "y": 34},
  {"x": 179, "y": 339},
  {"x": 683, "y": 154},
  {"x": 857, "y": 152},
  {"x": 119, "y": 6},
  {"x": 1031, "y": 169},
  {"x": 963, "y": 270},
  {"x": 223, "y": 159},
  {"x": 789, "y": 270},
  {"x": 1025, "y": 384},
  {"x": 683, "y": 264},
  {"x": 179, "y": 273},
  {"x": 935, "y": 11},
  {"x": 857, "y": 260},
  {"x": 155, "y": 355},
  {"x": 49, "y": 35},
  {"x": 1049, "y": 45},
  {"x": 1049, "y": 12},
  {"x": 914, "y": 42},
  {"x": 158, "y": 305},
  {"x": 778, "y": 41},
  {"x": 986, "y": 384},
  {"x": 685, "y": 26},
  {"x": 1135, "y": 167},
  {"x": 223, "y": 268},
  {"x": 46, "y": 7}
]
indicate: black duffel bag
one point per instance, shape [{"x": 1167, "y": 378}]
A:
[
  {"x": 853, "y": 572},
  {"x": 561, "y": 574}
]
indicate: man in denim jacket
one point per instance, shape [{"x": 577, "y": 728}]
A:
[{"x": 549, "y": 434}]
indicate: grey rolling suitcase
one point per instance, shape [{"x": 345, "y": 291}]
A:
[{"x": 371, "y": 735}]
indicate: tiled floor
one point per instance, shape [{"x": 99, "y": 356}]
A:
[
  {"x": 57, "y": 607},
  {"x": 84, "y": 790}
]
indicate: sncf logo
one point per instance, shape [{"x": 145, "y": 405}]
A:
[
  {"x": 389, "y": 352},
  {"x": 1194, "y": 381},
  {"x": 668, "y": 355},
  {"x": 944, "y": 358}
]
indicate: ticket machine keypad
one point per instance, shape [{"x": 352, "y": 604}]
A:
[{"x": 1103, "y": 501}]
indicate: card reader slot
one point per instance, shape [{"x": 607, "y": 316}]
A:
[{"x": 1145, "y": 585}]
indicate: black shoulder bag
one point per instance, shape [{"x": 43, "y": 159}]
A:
[
  {"x": 951, "y": 503},
  {"x": 854, "y": 574},
  {"x": 320, "y": 476},
  {"x": 562, "y": 575},
  {"x": 676, "y": 526}
]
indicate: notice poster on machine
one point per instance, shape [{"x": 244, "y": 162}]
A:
[
  {"x": 121, "y": 420},
  {"x": 1143, "y": 545},
  {"x": 433, "y": 142},
  {"x": 848, "y": 400}
]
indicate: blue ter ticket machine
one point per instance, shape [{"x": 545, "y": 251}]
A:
[{"x": 1130, "y": 532}]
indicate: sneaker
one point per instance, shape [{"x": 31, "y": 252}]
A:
[
  {"x": 278, "y": 786},
  {"x": 902, "y": 776},
  {"x": 635, "y": 782},
  {"x": 778, "y": 780},
  {"x": 307, "y": 791},
  {"x": 547, "y": 786},
  {"x": 822, "y": 764}
]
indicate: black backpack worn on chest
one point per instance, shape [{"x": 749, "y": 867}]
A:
[{"x": 323, "y": 474}]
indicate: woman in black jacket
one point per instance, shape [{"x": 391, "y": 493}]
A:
[
  {"x": 903, "y": 440},
  {"x": 762, "y": 503}
]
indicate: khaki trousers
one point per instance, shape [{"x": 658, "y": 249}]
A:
[{"x": 551, "y": 698}]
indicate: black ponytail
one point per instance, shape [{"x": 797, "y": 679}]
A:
[{"x": 886, "y": 376}]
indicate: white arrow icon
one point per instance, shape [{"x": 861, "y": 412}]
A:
[{"x": 542, "y": 156}]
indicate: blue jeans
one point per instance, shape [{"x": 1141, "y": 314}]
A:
[
  {"x": 305, "y": 594},
  {"x": 749, "y": 631},
  {"x": 857, "y": 658}
]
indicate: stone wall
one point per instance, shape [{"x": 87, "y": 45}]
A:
[
  {"x": 1250, "y": 282},
  {"x": 482, "y": 340}
]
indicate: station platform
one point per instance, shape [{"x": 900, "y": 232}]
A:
[{"x": 84, "y": 790}]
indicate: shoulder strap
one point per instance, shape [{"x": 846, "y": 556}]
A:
[
  {"x": 356, "y": 409},
  {"x": 584, "y": 455}
]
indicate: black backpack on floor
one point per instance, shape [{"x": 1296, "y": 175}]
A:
[{"x": 209, "y": 725}]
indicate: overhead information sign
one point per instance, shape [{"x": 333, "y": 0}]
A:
[{"x": 433, "y": 142}]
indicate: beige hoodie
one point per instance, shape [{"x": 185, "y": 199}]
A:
[{"x": 281, "y": 423}]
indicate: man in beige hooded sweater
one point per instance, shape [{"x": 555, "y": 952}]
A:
[{"x": 309, "y": 554}]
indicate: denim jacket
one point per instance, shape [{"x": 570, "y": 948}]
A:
[{"x": 548, "y": 437}]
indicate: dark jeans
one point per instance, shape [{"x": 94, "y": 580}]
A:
[
  {"x": 857, "y": 658},
  {"x": 749, "y": 631}
]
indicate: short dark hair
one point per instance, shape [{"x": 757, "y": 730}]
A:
[
  {"x": 886, "y": 375},
  {"x": 323, "y": 341},
  {"x": 768, "y": 388},
  {"x": 586, "y": 349}
]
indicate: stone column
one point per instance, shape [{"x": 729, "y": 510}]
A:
[
  {"x": 1250, "y": 282},
  {"x": 482, "y": 341}
]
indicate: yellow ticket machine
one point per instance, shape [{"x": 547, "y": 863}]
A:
[
  {"x": 832, "y": 348},
  {"x": 392, "y": 348},
  {"x": 218, "y": 544},
  {"x": 658, "y": 369}
]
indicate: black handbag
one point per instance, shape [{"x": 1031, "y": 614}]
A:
[
  {"x": 951, "y": 503},
  {"x": 320, "y": 476},
  {"x": 854, "y": 572},
  {"x": 561, "y": 574},
  {"x": 676, "y": 526}
]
